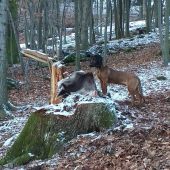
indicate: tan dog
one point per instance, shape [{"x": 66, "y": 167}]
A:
[{"x": 107, "y": 75}]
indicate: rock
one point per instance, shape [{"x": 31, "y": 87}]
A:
[{"x": 46, "y": 131}]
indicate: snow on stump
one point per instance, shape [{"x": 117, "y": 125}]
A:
[{"x": 46, "y": 131}]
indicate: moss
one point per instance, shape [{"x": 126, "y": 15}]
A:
[
  {"x": 2, "y": 113},
  {"x": 44, "y": 135},
  {"x": 105, "y": 118},
  {"x": 161, "y": 78},
  {"x": 15, "y": 57},
  {"x": 128, "y": 50},
  {"x": 131, "y": 39},
  {"x": 100, "y": 42},
  {"x": 159, "y": 53},
  {"x": 10, "y": 83},
  {"x": 69, "y": 47},
  {"x": 69, "y": 59},
  {"x": 23, "y": 159},
  {"x": 32, "y": 140}
]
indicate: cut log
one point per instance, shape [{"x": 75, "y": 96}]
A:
[{"x": 46, "y": 131}]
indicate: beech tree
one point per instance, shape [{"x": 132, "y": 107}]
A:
[
  {"x": 164, "y": 41},
  {"x": 84, "y": 23},
  {"x": 4, "y": 103},
  {"x": 77, "y": 33}
]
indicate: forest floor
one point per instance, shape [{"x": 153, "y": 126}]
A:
[{"x": 146, "y": 145}]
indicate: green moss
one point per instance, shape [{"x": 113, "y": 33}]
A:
[
  {"x": 159, "y": 53},
  {"x": 10, "y": 83},
  {"x": 100, "y": 42},
  {"x": 132, "y": 38},
  {"x": 69, "y": 59},
  {"x": 105, "y": 118},
  {"x": 2, "y": 113},
  {"x": 134, "y": 33},
  {"x": 44, "y": 135},
  {"x": 69, "y": 47},
  {"x": 15, "y": 57},
  {"x": 161, "y": 78},
  {"x": 32, "y": 140},
  {"x": 23, "y": 159},
  {"x": 128, "y": 50}
]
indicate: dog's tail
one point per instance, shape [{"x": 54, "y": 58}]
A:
[{"x": 139, "y": 89}]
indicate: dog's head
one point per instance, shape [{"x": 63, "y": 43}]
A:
[{"x": 96, "y": 61}]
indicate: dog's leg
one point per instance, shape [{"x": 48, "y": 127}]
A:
[
  {"x": 139, "y": 96},
  {"x": 103, "y": 84},
  {"x": 131, "y": 91}
]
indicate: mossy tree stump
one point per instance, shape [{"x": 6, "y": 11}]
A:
[{"x": 46, "y": 131}]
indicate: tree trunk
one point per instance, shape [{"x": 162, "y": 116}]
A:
[
  {"x": 111, "y": 20},
  {"x": 45, "y": 26},
  {"x": 4, "y": 103},
  {"x": 39, "y": 27},
  {"x": 148, "y": 16},
  {"x": 105, "y": 33},
  {"x": 166, "y": 41},
  {"x": 85, "y": 21},
  {"x": 91, "y": 29},
  {"x": 141, "y": 10},
  {"x": 46, "y": 131},
  {"x": 127, "y": 17},
  {"x": 100, "y": 17},
  {"x": 13, "y": 10},
  {"x": 163, "y": 45},
  {"x": 3, "y": 57},
  {"x": 156, "y": 13},
  {"x": 77, "y": 34}
]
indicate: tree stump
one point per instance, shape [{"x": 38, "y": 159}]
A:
[
  {"x": 46, "y": 131},
  {"x": 58, "y": 72}
]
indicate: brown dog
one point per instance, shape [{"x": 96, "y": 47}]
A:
[{"x": 107, "y": 75}]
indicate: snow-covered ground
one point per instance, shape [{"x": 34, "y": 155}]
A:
[{"x": 119, "y": 93}]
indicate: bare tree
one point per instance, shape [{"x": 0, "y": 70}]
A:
[
  {"x": 148, "y": 15},
  {"x": 127, "y": 5},
  {"x": 155, "y": 14},
  {"x": 84, "y": 26},
  {"x": 4, "y": 103},
  {"x": 164, "y": 42},
  {"x": 100, "y": 17},
  {"x": 77, "y": 33},
  {"x": 105, "y": 33}
]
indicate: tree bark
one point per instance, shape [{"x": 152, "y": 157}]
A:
[
  {"x": 148, "y": 16},
  {"x": 77, "y": 34},
  {"x": 3, "y": 57},
  {"x": 85, "y": 21},
  {"x": 162, "y": 42},
  {"x": 46, "y": 130},
  {"x": 166, "y": 41},
  {"x": 13, "y": 10},
  {"x": 127, "y": 17}
]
